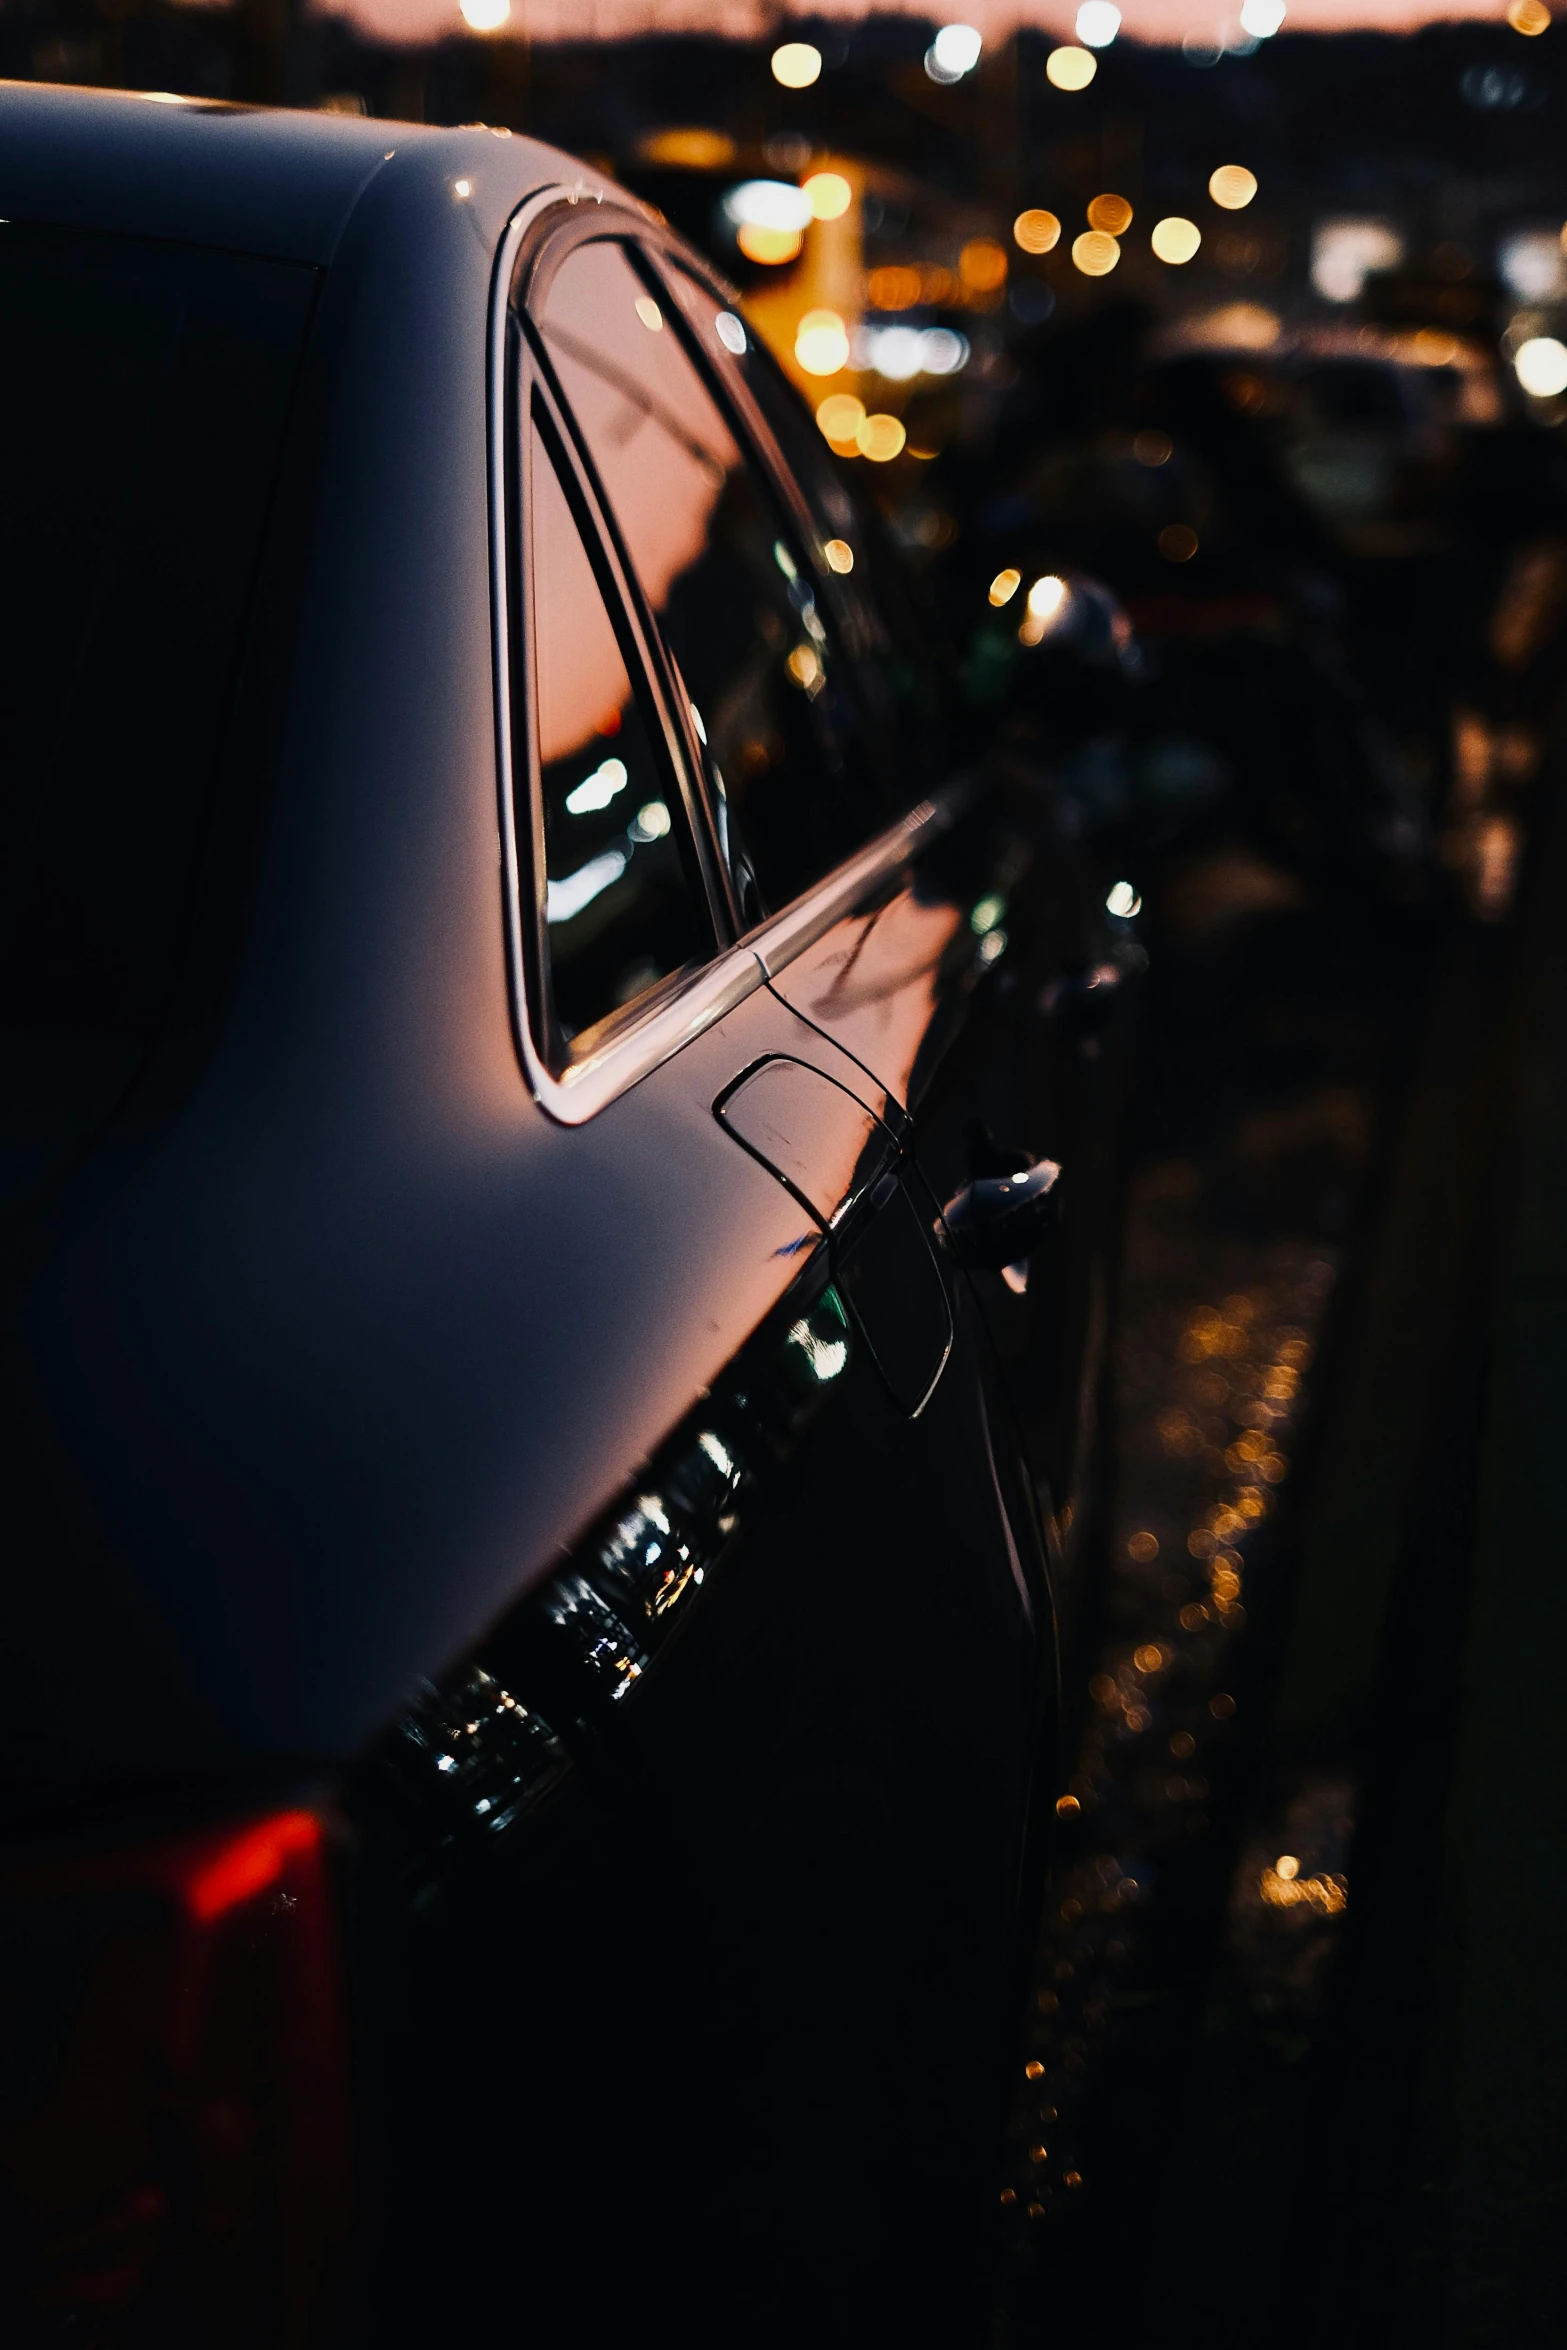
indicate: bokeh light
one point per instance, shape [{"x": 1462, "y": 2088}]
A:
[
  {"x": 902, "y": 352},
  {"x": 1049, "y": 601},
  {"x": 1111, "y": 213},
  {"x": 953, "y": 53},
  {"x": 1529, "y": 17},
  {"x": 1038, "y": 231},
  {"x": 982, "y": 264},
  {"x": 797, "y": 64},
  {"x": 821, "y": 343},
  {"x": 894, "y": 286},
  {"x": 1345, "y": 252},
  {"x": 768, "y": 204},
  {"x": 1233, "y": 186},
  {"x": 1098, "y": 22},
  {"x": 1261, "y": 19},
  {"x": 1541, "y": 366},
  {"x": 687, "y": 150},
  {"x": 828, "y": 193},
  {"x": 1175, "y": 240},
  {"x": 1530, "y": 261},
  {"x": 1071, "y": 69},
  {"x": 839, "y": 418},
  {"x": 1095, "y": 253},
  {"x": 485, "y": 16},
  {"x": 881, "y": 438},
  {"x": 771, "y": 246},
  {"x": 1005, "y": 586}
]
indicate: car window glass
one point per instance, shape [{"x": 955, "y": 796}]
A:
[
  {"x": 868, "y": 588},
  {"x": 718, "y": 563},
  {"x": 621, "y": 911}
]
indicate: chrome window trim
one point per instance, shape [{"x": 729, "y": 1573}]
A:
[
  {"x": 777, "y": 941},
  {"x": 589, "y": 1086}
]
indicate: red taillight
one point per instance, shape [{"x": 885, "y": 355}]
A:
[
  {"x": 249, "y": 1863},
  {"x": 173, "y": 2139}
]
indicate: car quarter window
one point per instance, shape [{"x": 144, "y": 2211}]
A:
[
  {"x": 867, "y": 588},
  {"x": 724, "y": 574},
  {"x": 623, "y": 913}
]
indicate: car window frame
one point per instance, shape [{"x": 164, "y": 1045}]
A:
[
  {"x": 553, "y": 249},
  {"x": 550, "y": 223},
  {"x": 691, "y": 1002}
]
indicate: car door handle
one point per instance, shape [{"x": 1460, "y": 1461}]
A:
[{"x": 996, "y": 1220}]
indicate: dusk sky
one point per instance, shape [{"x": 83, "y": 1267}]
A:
[{"x": 1155, "y": 20}]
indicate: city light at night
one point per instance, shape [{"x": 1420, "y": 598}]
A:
[{"x": 1071, "y": 68}]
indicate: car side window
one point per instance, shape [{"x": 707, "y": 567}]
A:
[
  {"x": 869, "y": 590},
  {"x": 623, "y": 912},
  {"x": 724, "y": 577}
]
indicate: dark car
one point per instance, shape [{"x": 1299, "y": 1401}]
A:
[{"x": 537, "y": 1075}]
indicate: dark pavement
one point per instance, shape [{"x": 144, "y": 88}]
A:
[
  {"x": 1296, "y": 2060},
  {"x": 1449, "y": 2082}
]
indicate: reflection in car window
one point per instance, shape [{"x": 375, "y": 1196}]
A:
[
  {"x": 896, "y": 676},
  {"x": 621, "y": 913},
  {"x": 724, "y": 576}
]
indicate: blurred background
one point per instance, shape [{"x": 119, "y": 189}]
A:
[{"x": 1210, "y": 368}]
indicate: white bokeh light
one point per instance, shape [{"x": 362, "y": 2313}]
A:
[
  {"x": 1345, "y": 252},
  {"x": 1541, "y": 366},
  {"x": 899, "y": 353},
  {"x": 953, "y": 53},
  {"x": 797, "y": 65},
  {"x": 768, "y": 204},
  {"x": 1098, "y": 22},
  {"x": 1532, "y": 265}
]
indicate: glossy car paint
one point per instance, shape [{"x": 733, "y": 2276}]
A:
[
  {"x": 331, "y": 1341},
  {"x": 330, "y": 1364}
]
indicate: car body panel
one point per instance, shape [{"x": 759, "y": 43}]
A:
[
  {"x": 267, "y": 1257},
  {"x": 356, "y": 1376},
  {"x": 309, "y": 1267}
]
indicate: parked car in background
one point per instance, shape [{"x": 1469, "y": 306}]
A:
[
  {"x": 558, "y": 1195},
  {"x": 1291, "y": 521}
]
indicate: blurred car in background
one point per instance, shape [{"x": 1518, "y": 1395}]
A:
[
  {"x": 559, "y": 1126},
  {"x": 1292, "y": 527}
]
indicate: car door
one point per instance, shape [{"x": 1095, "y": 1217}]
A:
[
  {"x": 1001, "y": 1025},
  {"x": 969, "y": 964},
  {"x": 818, "y": 738},
  {"x": 666, "y": 1879}
]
